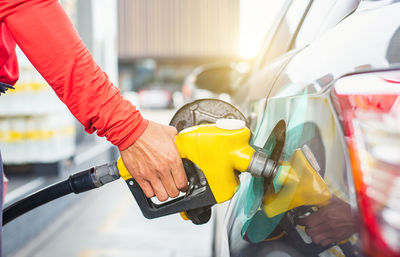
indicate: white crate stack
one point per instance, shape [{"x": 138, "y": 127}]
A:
[{"x": 35, "y": 126}]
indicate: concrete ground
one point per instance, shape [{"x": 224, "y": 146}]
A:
[{"x": 108, "y": 223}]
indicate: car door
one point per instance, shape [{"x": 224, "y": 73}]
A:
[{"x": 300, "y": 99}]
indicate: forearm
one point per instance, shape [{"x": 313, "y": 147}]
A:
[{"x": 48, "y": 39}]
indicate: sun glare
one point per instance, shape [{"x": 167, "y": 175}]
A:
[{"x": 256, "y": 17}]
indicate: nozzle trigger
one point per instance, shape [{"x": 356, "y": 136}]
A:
[{"x": 199, "y": 195}]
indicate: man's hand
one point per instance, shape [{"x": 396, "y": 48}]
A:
[
  {"x": 154, "y": 162},
  {"x": 330, "y": 224}
]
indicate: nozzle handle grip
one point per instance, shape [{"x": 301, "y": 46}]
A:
[{"x": 150, "y": 210}]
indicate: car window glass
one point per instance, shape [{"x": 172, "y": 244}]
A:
[
  {"x": 286, "y": 30},
  {"x": 280, "y": 13}
]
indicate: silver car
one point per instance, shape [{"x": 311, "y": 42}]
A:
[{"x": 323, "y": 97}]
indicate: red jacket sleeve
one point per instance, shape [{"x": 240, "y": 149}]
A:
[
  {"x": 47, "y": 37},
  {"x": 8, "y": 59}
]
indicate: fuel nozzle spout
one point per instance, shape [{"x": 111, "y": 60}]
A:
[{"x": 262, "y": 166}]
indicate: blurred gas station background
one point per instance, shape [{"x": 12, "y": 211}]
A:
[{"x": 150, "y": 49}]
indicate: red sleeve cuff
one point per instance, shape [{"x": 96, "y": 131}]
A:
[
  {"x": 119, "y": 121},
  {"x": 134, "y": 136}
]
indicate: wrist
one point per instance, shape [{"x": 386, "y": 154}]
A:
[{"x": 131, "y": 138}]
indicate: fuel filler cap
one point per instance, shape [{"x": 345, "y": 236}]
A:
[{"x": 230, "y": 124}]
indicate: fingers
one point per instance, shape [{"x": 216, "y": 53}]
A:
[
  {"x": 154, "y": 161},
  {"x": 319, "y": 236},
  {"x": 179, "y": 175},
  {"x": 327, "y": 241},
  {"x": 146, "y": 187},
  {"x": 169, "y": 184},
  {"x": 315, "y": 230},
  {"x": 159, "y": 184},
  {"x": 312, "y": 220},
  {"x": 159, "y": 190},
  {"x": 177, "y": 170}
]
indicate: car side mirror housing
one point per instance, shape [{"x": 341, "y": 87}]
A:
[{"x": 218, "y": 78}]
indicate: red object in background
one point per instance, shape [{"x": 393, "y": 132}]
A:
[
  {"x": 186, "y": 91},
  {"x": 47, "y": 37}
]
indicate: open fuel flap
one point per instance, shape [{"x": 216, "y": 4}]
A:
[{"x": 204, "y": 111}]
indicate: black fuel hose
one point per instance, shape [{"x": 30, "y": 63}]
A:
[{"x": 76, "y": 183}]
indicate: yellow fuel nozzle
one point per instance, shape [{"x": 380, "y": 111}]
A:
[{"x": 221, "y": 149}]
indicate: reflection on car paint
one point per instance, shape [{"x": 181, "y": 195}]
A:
[
  {"x": 258, "y": 226},
  {"x": 306, "y": 186},
  {"x": 299, "y": 186}
]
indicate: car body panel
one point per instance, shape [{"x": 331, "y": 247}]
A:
[
  {"x": 296, "y": 89},
  {"x": 335, "y": 54}
]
